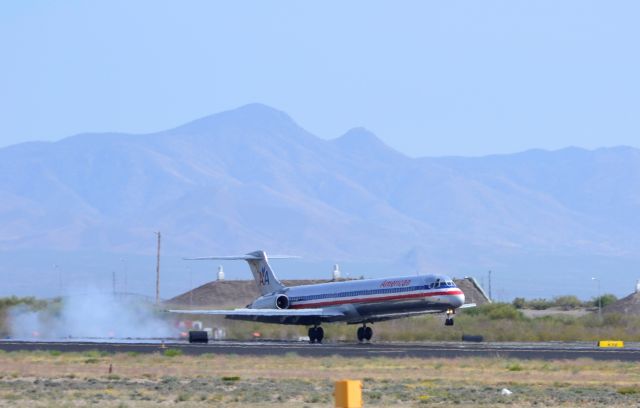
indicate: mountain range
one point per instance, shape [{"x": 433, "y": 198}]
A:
[{"x": 253, "y": 178}]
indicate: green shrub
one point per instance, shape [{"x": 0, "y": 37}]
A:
[
  {"x": 182, "y": 397},
  {"x": 497, "y": 311},
  {"x": 519, "y": 303},
  {"x": 567, "y": 302},
  {"x": 95, "y": 353},
  {"x": 172, "y": 352},
  {"x": 30, "y": 302},
  {"x": 605, "y": 299},
  {"x": 539, "y": 304},
  {"x": 633, "y": 389}
]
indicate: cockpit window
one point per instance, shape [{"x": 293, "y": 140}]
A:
[{"x": 441, "y": 284}]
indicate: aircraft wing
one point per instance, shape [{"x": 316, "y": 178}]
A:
[
  {"x": 390, "y": 316},
  {"x": 284, "y": 316},
  {"x": 264, "y": 312}
]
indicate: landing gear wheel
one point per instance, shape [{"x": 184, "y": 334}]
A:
[
  {"x": 316, "y": 334},
  {"x": 360, "y": 334},
  {"x": 368, "y": 333},
  {"x": 449, "y": 321}
]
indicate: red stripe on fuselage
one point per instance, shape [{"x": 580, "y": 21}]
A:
[{"x": 374, "y": 299}]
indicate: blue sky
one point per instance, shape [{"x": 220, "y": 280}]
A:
[{"x": 429, "y": 78}]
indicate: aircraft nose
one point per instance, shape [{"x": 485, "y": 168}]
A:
[{"x": 457, "y": 300}]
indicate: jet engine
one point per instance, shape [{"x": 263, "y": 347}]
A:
[
  {"x": 275, "y": 301},
  {"x": 282, "y": 302}
]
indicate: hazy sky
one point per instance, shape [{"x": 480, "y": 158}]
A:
[{"x": 428, "y": 77}]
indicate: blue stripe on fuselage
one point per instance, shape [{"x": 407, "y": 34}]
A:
[{"x": 367, "y": 292}]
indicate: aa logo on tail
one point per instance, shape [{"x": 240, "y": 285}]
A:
[{"x": 264, "y": 276}]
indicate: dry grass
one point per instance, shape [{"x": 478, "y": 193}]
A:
[
  {"x": 82, "y": 379},
  {"x": 493, "y": 327}
]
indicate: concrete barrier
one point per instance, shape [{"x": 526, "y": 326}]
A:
[
  {"x": 198, "y": 336},
  {"x": 472, "y": 337}
]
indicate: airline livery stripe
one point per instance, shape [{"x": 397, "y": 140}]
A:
[
  {"x": 374, "y": 299},
  {"x": 363, "y": 292}
]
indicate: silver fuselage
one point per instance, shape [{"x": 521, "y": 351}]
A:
[{"x": 373, "y": 299}]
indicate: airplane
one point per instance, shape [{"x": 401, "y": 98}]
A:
[{"x": 363, "y": 301}]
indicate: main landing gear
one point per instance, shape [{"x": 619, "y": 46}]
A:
[
  {"x": 316, "y": 334},
  {"x": 449, "y": 320},
  {"x": 364, "y": 333}
]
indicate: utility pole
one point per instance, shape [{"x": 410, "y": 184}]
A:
[
  {"x": 158, "y": 271},
  {"x": 190, "y": 287},
  {"x": 599, "y": 298},
  {"x": 124, "y": 272}
]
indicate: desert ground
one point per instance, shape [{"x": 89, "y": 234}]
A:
[{"x": 54, "y": 379}]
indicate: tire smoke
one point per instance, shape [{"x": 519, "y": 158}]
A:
[{"x": 91, "y": 316}]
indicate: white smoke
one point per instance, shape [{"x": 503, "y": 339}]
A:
[{"x": 91, "y": 316}]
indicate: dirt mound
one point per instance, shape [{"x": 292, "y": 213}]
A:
[
  {"x": 239, "y": 293},
  {"x": 626, "y": 305},
  {"x": 227, "y": 293}
]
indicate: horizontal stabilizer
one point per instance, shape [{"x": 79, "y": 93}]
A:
[
  {"x": 467, "y": 305},
  {"x": 239, "y": 258},
  {"x": 259, "y": 264}
]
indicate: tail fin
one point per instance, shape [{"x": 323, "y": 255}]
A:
[
  {"x": 263, "y": 274},
  {"x": 259, "y": 264}
]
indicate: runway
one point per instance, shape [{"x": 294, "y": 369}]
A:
[{"x": 544, "y": 351}]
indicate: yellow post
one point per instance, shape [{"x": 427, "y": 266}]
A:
[{"x": 348, "y": 394}]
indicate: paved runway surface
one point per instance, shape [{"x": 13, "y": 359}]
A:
[{"x": 546, "y": 351}]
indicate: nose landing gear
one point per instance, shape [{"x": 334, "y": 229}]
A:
[
  {"x": 364, "y": 333},
  {"x": 449, "y": 320},
  {"x": 316, "y": 334}
]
